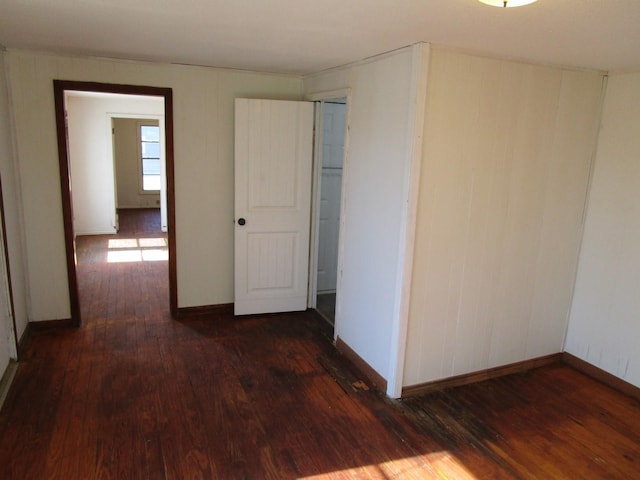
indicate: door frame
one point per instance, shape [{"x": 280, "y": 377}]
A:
[
  {"x": 142, "y": 117},
  {"x": 320, "y": 97},
  {"x": 59, "y": 89}
]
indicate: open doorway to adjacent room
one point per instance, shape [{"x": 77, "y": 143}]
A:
[
  {"x": 116, "y": 166},
  {"x": 330, "y": 152}
]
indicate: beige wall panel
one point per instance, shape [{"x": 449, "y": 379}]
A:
[
  {"x": 375, "y": 198},
  {"x": 496, "y": 206},
  {"x": 203, "y": 116},
  {"x": 604, "y": 329},
  {"x": 126, "y": 152},
  {"x": 12, "y": 207}
]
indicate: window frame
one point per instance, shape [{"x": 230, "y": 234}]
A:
[{"x": 139, "y": 125}]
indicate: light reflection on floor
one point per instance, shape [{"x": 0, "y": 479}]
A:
[
  {"x": 431, "y": 465},
  {"x": 137, "y": 250}
]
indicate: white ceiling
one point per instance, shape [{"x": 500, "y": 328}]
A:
[{"x": 306, "y": 36}]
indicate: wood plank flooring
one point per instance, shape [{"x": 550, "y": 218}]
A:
[
  {"x": 134, "y": 394},
  {"x": 114, "y": 285}
]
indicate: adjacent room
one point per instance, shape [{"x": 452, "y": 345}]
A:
[
  {"x": 115, "y": 159},
  {"x": 294, "y": 240}
]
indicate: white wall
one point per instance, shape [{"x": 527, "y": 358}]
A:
[
  {"x": 126, "y": 151},
  {"x": 506, "y": 161},
  {"x": 604, "y": 326},
  {"x": 203, "y": 135},
  {"x": 8, "y": 347},
  {"x": 91, "y": 155},
  {"x": 376, "y": 190},
  {"x": 7, "y": 342},
  {"x": 12, "y": 207}
]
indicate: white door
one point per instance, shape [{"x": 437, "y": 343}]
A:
[
  {"x": 333, "y": 132},
  {"x": 273, "y": 164}
]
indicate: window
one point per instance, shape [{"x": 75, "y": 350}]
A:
[{"x": 150, "y": 157}]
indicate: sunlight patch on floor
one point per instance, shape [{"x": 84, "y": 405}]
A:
[
  {"x": 431, "y": 465},
  {"x": 123, "y": 243},
  {"x": 152, "y": 242},
  {"x": 123, "y": 250}
]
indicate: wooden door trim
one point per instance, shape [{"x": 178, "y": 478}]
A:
[{"x": 59, "y": 87}]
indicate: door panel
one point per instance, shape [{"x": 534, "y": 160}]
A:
[
  {"x": 329, "y": 227},
  {"x": 273, "y": 158}
]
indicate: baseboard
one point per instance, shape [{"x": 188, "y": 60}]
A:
[
  {"x": 365, "y": 369},
  {"x": 46, "y": 325},
  {"x": 480, "y": 376},
  {"x": 204, "y": 310},
  {"x": 95, "y": 232},
  {"x": 140, "y": 207},
  {"x": 600, "y": 375}
]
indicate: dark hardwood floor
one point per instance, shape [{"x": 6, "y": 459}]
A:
[
  {"x": 125, "y": 276},
  {"x": 134, "y": 394}
]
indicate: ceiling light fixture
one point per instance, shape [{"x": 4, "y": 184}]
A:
[{"x": 507, "y": 3}]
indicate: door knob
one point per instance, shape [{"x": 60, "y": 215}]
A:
[{"x": 241, "y": 221}]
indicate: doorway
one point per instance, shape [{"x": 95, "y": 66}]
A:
[
  {"x": 61, "y": 90},
  {"x": 330, "y": 151}
]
